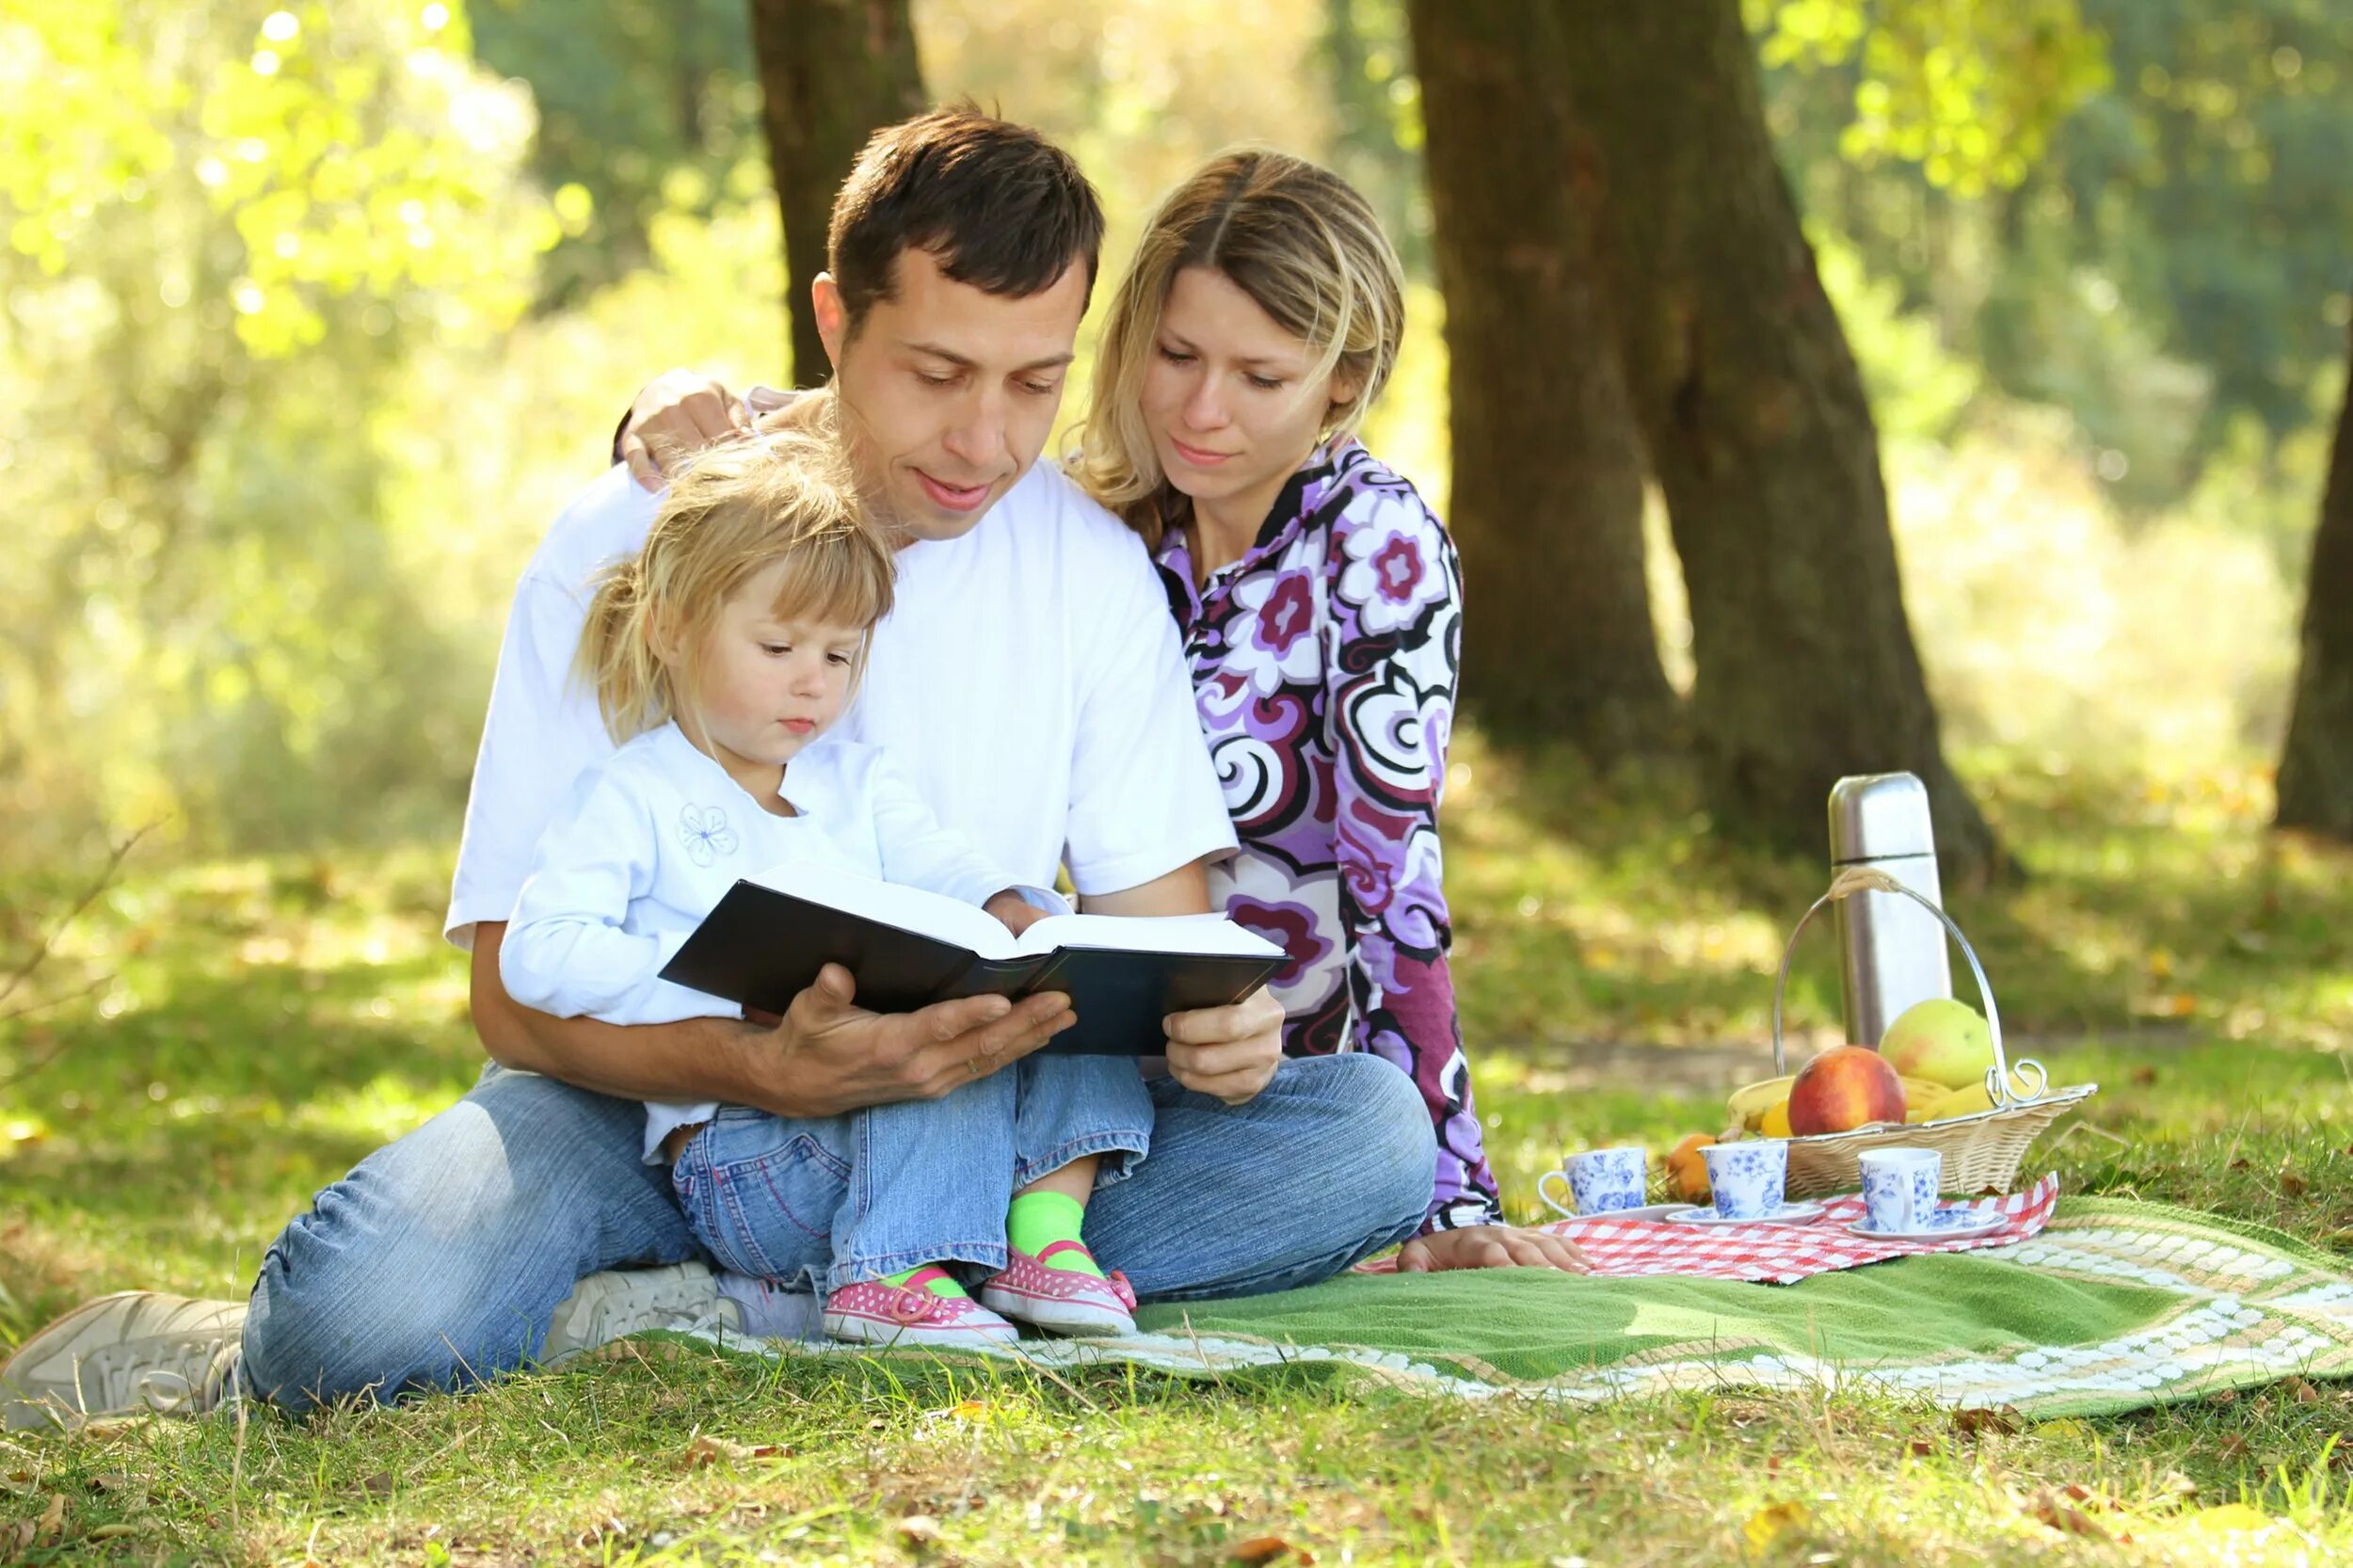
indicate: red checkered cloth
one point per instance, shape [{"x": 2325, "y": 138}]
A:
[{"x": 1775, "y": 1255}]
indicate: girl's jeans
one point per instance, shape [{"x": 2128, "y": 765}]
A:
[
  {"x": 438, "y": 1261},
  {"x": 841, "y": 1199}
]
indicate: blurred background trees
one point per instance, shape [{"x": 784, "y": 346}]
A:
[{"x": 2017, "y": 360}]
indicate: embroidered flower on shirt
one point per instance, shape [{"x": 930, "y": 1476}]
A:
[{"x": 704, "y": 832}]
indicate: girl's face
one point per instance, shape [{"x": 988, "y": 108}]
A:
[
  {"x": 763, "y": 687},
  {"x": 1228, "y": 396}
]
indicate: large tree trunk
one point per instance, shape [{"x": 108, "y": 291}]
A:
[
  {"x": 2317, "y": 763},
  {"x": 831, "y": 73},
  {"x": 1758, "y": 430},
  {"x": 1547, "y": 502}
]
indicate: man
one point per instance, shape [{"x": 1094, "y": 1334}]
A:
[{"x": 1030, "y": 681}]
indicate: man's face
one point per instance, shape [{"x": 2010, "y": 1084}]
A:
[{"x": 950, "y": 391}]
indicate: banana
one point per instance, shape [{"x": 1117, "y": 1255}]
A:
[{"x": 1749, "y": 1102}]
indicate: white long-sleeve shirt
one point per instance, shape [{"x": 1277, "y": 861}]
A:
[{"x": 650, "y": 839}]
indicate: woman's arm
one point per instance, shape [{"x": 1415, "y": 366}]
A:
[{"x": 1396, "y": 603}]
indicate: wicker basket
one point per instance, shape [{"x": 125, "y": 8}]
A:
[{"x": 1982, "y": 1150}]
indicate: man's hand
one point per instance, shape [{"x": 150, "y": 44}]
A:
[
  {"x": 1017, "y": 912},
  {"x": 1490, "y": 1247},
  {"x": 1230, "y": 1052},
  {"x": 835, "y": 1056},
  {"x": 677, "y": 415}
]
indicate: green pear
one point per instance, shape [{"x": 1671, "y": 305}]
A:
[{"x": 1942, "y": 1040}]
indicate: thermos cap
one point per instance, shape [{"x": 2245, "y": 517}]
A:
[{"x": 1878, "y": 816}]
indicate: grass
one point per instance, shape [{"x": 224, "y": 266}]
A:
[{"x": 262, "y": 1024}]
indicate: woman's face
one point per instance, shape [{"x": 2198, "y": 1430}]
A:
[{"x": 1228, "y": 396}]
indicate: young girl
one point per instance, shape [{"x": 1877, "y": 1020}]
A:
[
  {"x": 1321, "y": 608},
  {"x": 720, "y": 656}
]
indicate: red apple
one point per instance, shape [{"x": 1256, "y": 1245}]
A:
[{"x": 1845, "y": 1087}]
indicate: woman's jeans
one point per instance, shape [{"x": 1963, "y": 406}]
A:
[
  {"x": 837, "y": 1199},
  {"x": 438, "y": 1261}
]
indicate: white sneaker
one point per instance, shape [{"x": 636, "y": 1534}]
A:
[
  {"x": 129, "y": 1353},
  {"x": 620, "y": 1302}
]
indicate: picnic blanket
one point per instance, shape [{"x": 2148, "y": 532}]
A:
[
  {"x": 2113, "y": 1306},
  {"x": 1777, "y": 1254}
]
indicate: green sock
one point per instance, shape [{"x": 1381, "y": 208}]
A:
[
  {"x": 943, "y": 1286},
  {"x": 1038, "y": 1220}
]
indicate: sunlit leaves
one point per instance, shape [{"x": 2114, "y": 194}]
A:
[{"x": 1969, "y": 93}]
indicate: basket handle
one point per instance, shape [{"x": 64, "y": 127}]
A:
[{"x": 1862, "y": 879}]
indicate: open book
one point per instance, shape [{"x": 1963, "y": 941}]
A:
[{"x": 773, "y": 932}]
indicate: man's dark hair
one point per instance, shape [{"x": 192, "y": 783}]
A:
[{"x": 996, "y": 204}]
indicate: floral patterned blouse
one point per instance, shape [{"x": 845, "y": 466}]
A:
[{"x": 1324, "y": 664}]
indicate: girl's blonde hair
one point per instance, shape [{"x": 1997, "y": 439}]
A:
[
  {"x": 788, "y": 495},
  {"x": 1304, "y": 247}
]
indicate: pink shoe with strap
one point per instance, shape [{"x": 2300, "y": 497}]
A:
[
  {"x": 909, "y": 1317},
  {"x": 1060, "y": 1299}
]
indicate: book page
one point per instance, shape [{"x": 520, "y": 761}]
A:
[
  {"x": 933, "y": 915},
  {"x": 1208, "y": 935}
]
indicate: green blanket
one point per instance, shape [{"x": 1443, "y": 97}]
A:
[{"x": 2115, "y": 1306}]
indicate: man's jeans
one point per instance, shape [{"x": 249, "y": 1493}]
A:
[
  {"x": 439, "y": 1260},
  {"x": 834, "y": 1200}
]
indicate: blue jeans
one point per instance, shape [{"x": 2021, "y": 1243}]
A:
[
  {"x": 438, "y": 1261},
  {"x": 839, "y": 1199}
]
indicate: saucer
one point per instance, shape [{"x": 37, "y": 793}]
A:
[
  {"x": 1945, "y": 1223},
  {"x": 1788, "y": 1214},
  {"x": 1648, "y": 1212}
]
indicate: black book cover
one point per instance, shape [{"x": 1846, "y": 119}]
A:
[{"x": 761, "y": 947}]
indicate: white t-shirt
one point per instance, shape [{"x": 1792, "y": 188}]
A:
[
  {"x": 1028, "y": 681},
  {"x": 650, "y": 838}
]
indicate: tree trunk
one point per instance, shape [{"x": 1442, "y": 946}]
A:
[
  {"x": 1547, "y": 502},
  {"x": 2317, "y": 763},
  {"x": 831, "y": 73},
  {"x": 1756, "y": 424}
]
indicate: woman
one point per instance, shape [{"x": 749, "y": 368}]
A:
[{"x": 1321, "y": 603}]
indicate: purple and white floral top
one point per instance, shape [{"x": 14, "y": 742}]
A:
[{"x": 1325, "y": 665}]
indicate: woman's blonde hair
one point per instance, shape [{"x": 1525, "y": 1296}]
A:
[
  {"x": 787, "y": 495},
  {"x": 1304, "y": 247}
]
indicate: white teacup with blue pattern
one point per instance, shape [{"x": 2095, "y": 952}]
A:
[
  {"x": 1899, "y": 1188},
  {"x": 1748, "y": 1177},
  {"x": 1601, "y": 1181}
]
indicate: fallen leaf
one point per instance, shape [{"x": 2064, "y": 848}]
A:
[
  {"x": 2240, "y": 1164},
  {"x": 51, "y": 1520},
  {"x": 706, "y": 1450},
  {"x": 2301, "y": 1391},
  {"x": 2291, "y": 1185},
  {"x": 1266, "y": 1548},
  {"x": 2054, "y": 1509},
  {"x": 117, "y": 1531},
  {"x": 2232, "y": 1446},
  {"x": 1769, "y": 1524},
  {"x": 2175, "y": 1485},
  {"x": 2144, "y": 1076},
  {"x": 2067, "y": 1426},
  {"x": 2223, "y": 1396},
  {"x": 379, "y": 1484},
  {"x": 919, "y": 1529},
  {"x": 1922, "y": 1446},
  {"x": 1980, "y": 1419},
  {"x": 108, "y": 1481}
]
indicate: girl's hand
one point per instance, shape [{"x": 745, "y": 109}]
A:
[
  {"x": 1017, "y": 912},
  {"x": 1490, "y": 1247}
]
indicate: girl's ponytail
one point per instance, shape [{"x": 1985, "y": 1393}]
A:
[{"x": 616, "y": 658}]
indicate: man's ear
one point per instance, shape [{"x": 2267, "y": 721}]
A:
[{"x": 833, "y": 317}]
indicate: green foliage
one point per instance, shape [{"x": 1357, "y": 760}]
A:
[
  {"x": 645, "y": 109},
  {"x": 227, "y": 230},
  {"x": 1968, "y": 92}
]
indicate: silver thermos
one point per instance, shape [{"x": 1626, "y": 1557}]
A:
[{"x": 1892, "y": 950}]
